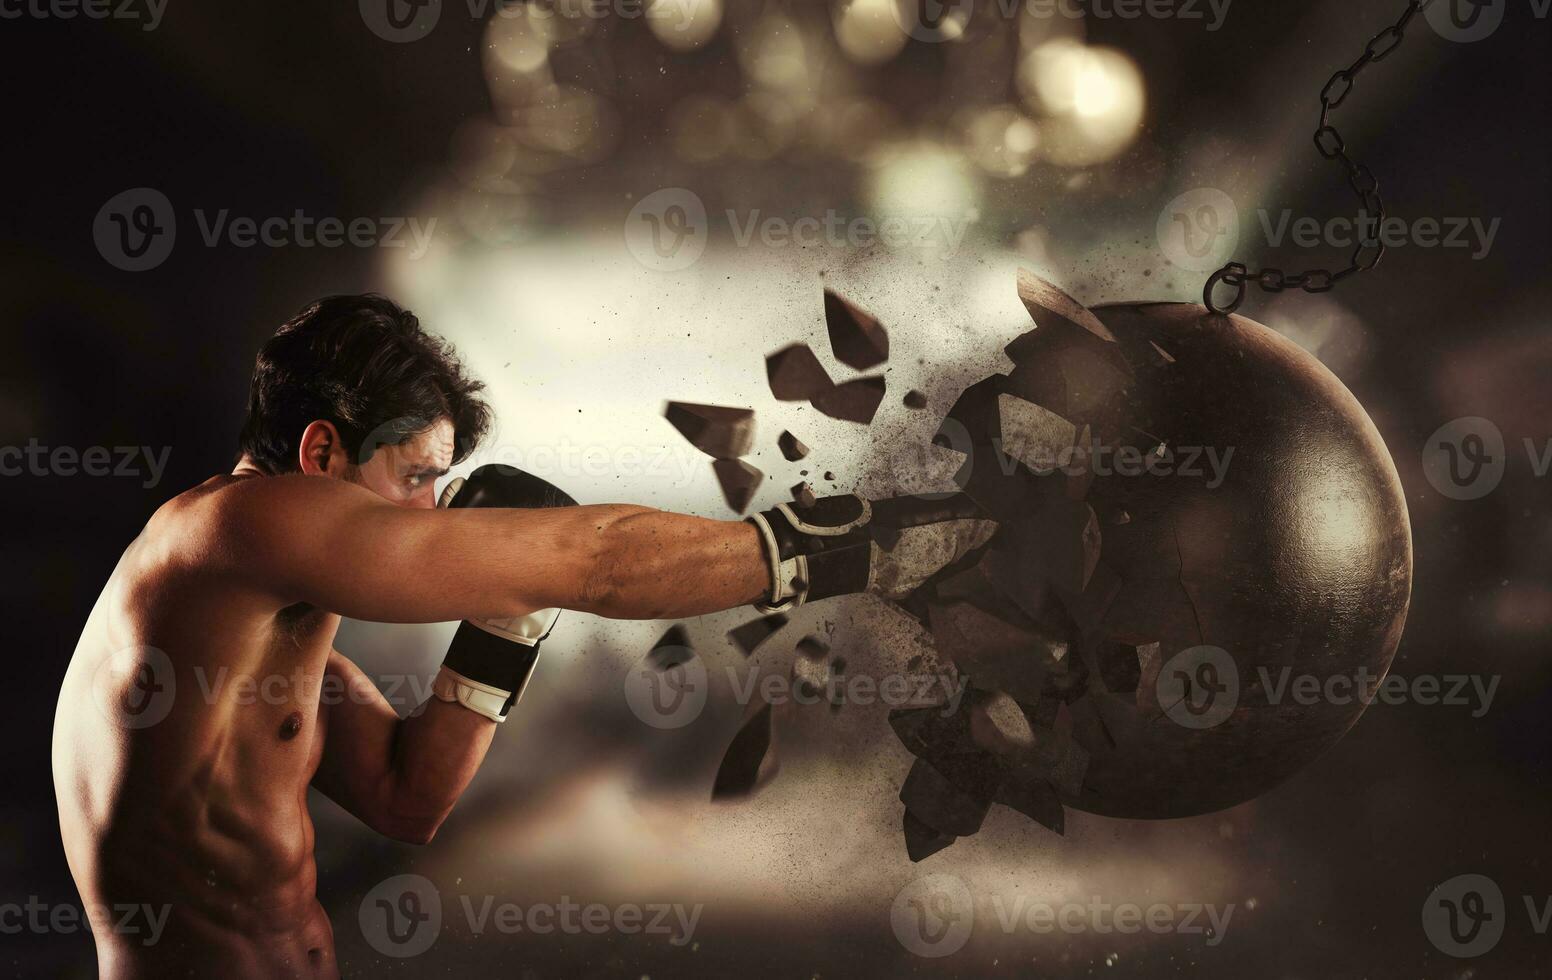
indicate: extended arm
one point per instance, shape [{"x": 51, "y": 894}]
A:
[{"x": 343, "y": 548}]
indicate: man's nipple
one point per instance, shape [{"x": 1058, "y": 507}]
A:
[{"x": 291, "y": 726}]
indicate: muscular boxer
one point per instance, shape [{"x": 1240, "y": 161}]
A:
[{"x": 205, "y": 697}]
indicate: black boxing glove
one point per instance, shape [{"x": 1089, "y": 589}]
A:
[
  {"x": 489, "y": 661},
  {"x": 844, "y": 544}
]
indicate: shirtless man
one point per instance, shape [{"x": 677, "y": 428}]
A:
[{"x": 197, "y": 708}]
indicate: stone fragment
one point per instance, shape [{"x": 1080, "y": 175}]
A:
[
  {"x": 1046, "y": 302},
  {"x": 749, "y": 762},
  {"x": 854, "y": 401},
  {"x": 795, "y": 374},
  {"x": 1121, "y": 662},
  {"x": 1035, "y": 799},
  {"x": 673, "y": 647},
  {"x": 716, "y": 430},
  {"x": 792, "y": 448},
  {"x": 813, "y": 648},
  {"x": 940, "y": 803},
  {"x": 1035, "y": 436},
  {"x": 998, "y": 724},
  {"x": 921, "y": 841},
  {"x": 755, "y": 632},
  {"x": 739, "y": 481},
  {"x": 856, "y": 339}
]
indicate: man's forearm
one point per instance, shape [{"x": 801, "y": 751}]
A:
[
  {"x": 659, "y": 565},
  {"x": 436, "y": 753}
]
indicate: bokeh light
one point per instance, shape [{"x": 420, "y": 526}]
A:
[{"x": 684, "y": 25}]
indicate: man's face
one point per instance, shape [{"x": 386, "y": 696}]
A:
[{"x": 406, "y": 474}]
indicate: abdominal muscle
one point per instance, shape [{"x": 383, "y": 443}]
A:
[{"x": 201, "y": 817}]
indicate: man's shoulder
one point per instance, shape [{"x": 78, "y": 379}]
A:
[
  {"x": 229, "y": 500},
  {"x": 234, "y": 519},
  {"x": 205, "y": 522}
]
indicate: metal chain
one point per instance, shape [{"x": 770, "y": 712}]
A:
[{"x": 1363, "y": 182}]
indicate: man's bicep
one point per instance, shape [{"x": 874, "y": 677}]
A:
[{"x": 340, "y": 547}]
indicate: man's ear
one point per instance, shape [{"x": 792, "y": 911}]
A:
[{"x": 321, "y": 452}]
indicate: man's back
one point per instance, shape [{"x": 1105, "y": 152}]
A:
[{"x": 187, "y": 731}]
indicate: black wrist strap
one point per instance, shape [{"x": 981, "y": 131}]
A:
[{"x": 493, "y": 660}]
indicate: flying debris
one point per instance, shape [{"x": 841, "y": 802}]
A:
[
  {"x": 856, "y": 339},
  {"x": 716, "y": 430},
  {"x": 795, "y": 374},
  {"x": 755, "y": 632},
  {"x": 792, "y": 449},
  {"x": 739, "y": 481},
  {"x": 852, "y": 401}
]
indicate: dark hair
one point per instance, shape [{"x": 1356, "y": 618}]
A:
[{"x": 365, "y": 364}]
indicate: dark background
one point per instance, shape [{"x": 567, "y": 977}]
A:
[{"x": 269, "y": 107}]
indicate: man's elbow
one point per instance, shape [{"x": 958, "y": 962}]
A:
[
  {"x": 410, "y": 833},
  {"x": 408, "y": 828}
]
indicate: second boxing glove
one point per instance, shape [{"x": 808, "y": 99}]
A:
[{"x": 489, "y": 662}]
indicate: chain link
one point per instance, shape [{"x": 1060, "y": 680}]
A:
[{"x": 1361, "y": 179}]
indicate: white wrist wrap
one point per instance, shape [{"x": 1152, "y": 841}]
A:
[
  {"x": 482, "y": 699},
  {"x": 527, "y": 630}
]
